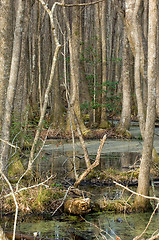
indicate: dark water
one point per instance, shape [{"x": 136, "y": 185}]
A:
[{"x": 95, "y": 225}]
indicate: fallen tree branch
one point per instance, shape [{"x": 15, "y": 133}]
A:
[
  {"x": 86, "y": 156},
  {"x": 95, "y": 164},
  {"x": 138, "y": 194}
]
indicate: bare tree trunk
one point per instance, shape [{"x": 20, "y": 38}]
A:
[
  {"x": 74, "y": 47},
  {"x": 6, "y": 37},
  {"x": 126, "y": 103},
  {"x": 54, "y": 61},
  {"x": 103, "y": 120},
  {"x": 144, "y": 174},
  {"x": 12, "y": 84}
]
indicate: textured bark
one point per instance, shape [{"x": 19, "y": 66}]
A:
[
  {"x": 12, "y": 83},
  {"x": 97, "y": 62},
  {"x": 20, "y": 99},
  {"x": 78, "y": 206},
  {"x": 6, "y": 37},
  {"x": 74, "y": 47},
  {"x": 134, "y": 33},
  {"x": 144, "y": 174},
  {"x": 103, "y": 120},
  {"x": 126, "y": 103}
]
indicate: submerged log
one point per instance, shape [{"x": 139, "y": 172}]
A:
[{"x": 77, "y": 206}]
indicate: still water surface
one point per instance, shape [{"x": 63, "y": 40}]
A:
[{"x": 94, "y": 225}]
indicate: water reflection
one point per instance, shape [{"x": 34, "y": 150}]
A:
[
  {"x": 61, "y": 164},
  {"x": 93, "y": 226}
]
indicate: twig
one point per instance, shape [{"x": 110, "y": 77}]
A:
[
  {"x": 9, "y": 143},
  {"x": 32, "y": 160},
  {"x": 101, "y": 230},
  {"x": 15, "y": 201},
  {"x": 137, "y": 237},
  {"x": 138, "y": 194},
  {"x": 26, "y": 188},
  {"x": 154, "y": 237},
  {"x": 62, "y": 201}
]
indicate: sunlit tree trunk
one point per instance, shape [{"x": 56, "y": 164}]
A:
[
  {"x": 144, "y": 174},
  {"x": 157, "y": 84},
  {"x": 103, "y": 120},
  {"x": 126, "y": 102},
  {"x": 12, "y": 83},
  {"x": 134, "y": 34},
  {"x": 6, "y": 37}
]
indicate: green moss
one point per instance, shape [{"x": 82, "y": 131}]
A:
[
  {"x": 16, "y": 169},
  {"x": 105, "y": 125}
]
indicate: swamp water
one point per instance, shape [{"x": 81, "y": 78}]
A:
[{"x": 56, "y": 159}]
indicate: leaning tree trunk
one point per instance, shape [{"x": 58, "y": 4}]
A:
[
  {"x": 12, "y": 84},
  {"x": 144, "y": 174}
]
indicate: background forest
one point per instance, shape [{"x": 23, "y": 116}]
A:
[{"x": 77, "y": 64}]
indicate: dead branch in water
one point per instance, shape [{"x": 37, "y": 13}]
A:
[{"x": 95, "y": 164}]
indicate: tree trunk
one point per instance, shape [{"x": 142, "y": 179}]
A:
[
  {"x": 74, "y": 46},
  {"x": 126, "y": 103},
  {"x": 12, "y": 84},
  {"x": 103, "y": 120},
  {"x": 144, "y": 174},
  {"x": 6, "y": 37}
]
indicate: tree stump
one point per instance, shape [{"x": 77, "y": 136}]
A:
[{"x": 77, "y": 206}]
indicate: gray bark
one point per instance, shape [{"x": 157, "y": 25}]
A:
[
  {"x": 6, "y": 37},
  {"x": 12, "y": 84},
  {"x": 144, "y": 174}
]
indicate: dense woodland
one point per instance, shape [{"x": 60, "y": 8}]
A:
[{"x": 72, "y": 65}]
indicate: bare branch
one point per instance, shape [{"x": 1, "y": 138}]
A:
[
  {"x": 137, "y": 237},
  {"x": 138, "y": 194},
  {"x": 26, "y": 188},
  {"x": 15, "y": 201},
  {"x": 80, "y": 4},
  {"x": 95, "y": 164}
]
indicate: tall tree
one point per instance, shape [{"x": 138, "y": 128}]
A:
[
  {"x": 6, "y": 37},
  {"x": 126, "y": 102},
  {"x": 103, "y": 120},
  {"x": 12, "y": 84},
  {"x": 144, "y": 174},
  {"x": 74, "y": 47}
]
